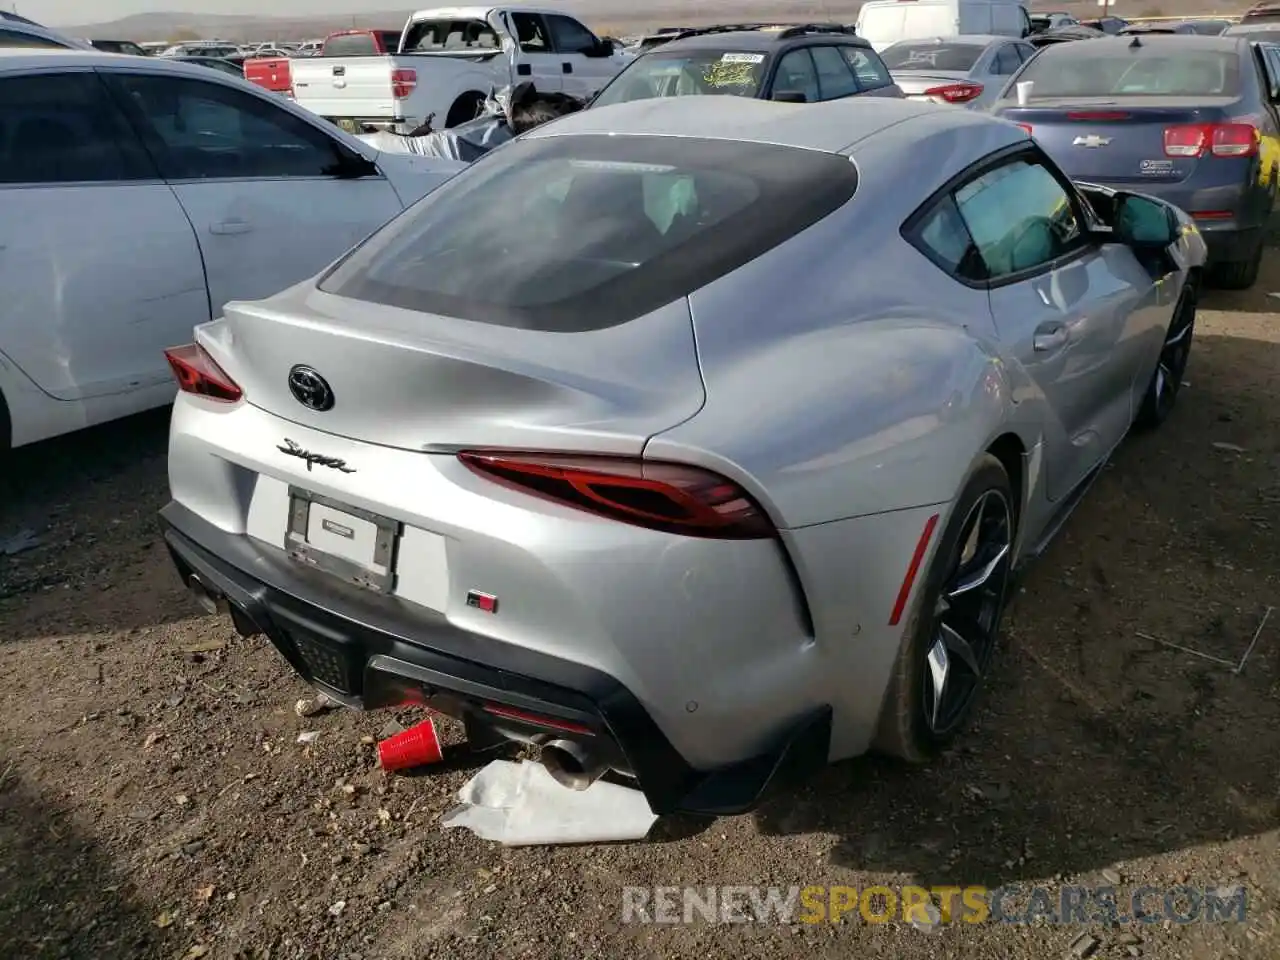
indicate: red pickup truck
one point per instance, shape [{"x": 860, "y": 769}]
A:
[{"x": 270, "y": 73}]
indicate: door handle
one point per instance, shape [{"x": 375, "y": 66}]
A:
[
  {"x": 228, "y": 227},
  {"x": 1050, "y": 337},
  {"x": 567, "y": 67}
]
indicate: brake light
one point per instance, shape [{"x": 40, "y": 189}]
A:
[
  {"x": 197, "y": 373},
  {"x": 670, "y": 497},
  {"x": 1097, "y": 115},
  {"x": 961, "y": 92},
  {"x": 1218, "y": 139},
  {"x": 1027, "y": 128},
  {"x": 403, "y": 82}
]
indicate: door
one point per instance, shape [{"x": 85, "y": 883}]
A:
[
  {"x": 535, "y": 58},
  {"x": 585, "y": 70},
  {"x": 269, "y": 193},
  {"x": 1074, "y": 314},
  {"x": 99, "y": 267}
]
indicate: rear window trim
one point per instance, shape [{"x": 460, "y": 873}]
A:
[{"x": 815, "y": 185}]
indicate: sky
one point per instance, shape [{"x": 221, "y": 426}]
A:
[{"x": 55, "y": 12}]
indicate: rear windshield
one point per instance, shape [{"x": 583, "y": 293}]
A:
[
  {"x": 575, "y": 233},
  {"x": 351, "y": 45},
  {"x": 689, "y": 73},
  {"x": 911, "y": 55},
  {"x": 432, "y": 36},
  {"x": 1071, "y": 70}
]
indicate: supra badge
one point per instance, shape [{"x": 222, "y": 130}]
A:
[{"x": 293, "y": 450}]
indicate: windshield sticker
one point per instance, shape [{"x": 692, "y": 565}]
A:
[
  {"x": 929, "y": 57},
  {"x": 733, "y": 74},
  {"x": 742, "y": 58}
]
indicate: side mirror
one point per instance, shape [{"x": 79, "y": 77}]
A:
[
  {"x": 603, "y": 48},
  {"x": 1143, "y": 223},
  {"x": 789, "y": 96}
]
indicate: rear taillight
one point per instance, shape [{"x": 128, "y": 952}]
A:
[
  {"x": 961, "y": 92},
  {"x": 197, "y": 373},
  {"x": 1217, "y": 139},
  {"x": 403, "y": 82},
  {"x": 1027, "y": 128},
  {"x": 670, "y": 497}
]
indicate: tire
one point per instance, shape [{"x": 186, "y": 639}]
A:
[
  {"x": 1171, "y": 365},
  {"x": 906, "y": 729},
  {"x": 465, "y": 108},
  {"x": 1238, "y": 274}
]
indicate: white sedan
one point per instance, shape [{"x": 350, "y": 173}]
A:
[{"x": 137, "y": 197}]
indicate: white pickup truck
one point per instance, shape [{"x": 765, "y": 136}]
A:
[{"x": 449, "y": 59}]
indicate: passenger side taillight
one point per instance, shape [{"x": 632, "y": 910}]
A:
[
  {"x": 403, "y": 82},
  {"x": 1027, "y": 128},
  {"x": 197, "y": 373},
  {"x": 1217, "y": 139},
  {"x": 670, "y": 497},
  {"x": 960, "y": 92}
]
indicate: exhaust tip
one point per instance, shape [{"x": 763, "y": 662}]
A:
[
  {"x": 202, "y": 594},
  {"x": 571, "y": 765}
]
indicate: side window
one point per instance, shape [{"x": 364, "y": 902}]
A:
[
  {"x": 1006, "y": 61},
  {"x": 12, "y": 38},
  {"x": 835, "y": 78},
  {"x": 796, "y": 75},
  {"x": 946, "y": 240},
  {"x": 63, "y": 128},
  {"x": 210, "y": 130},
  {"x": 569, "y": 36},
  {"x": 1020, "y": 218},
  {"x": 1025, "y": 51},
  {"x": 531, "y": 32},
  {"x": 867, "y": 67}
]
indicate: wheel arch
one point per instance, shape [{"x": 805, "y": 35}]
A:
[{"x": 453, "y": 118}]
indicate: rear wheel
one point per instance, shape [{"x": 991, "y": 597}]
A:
[
  {"x": 949, "y": 644},
  {"x": 466, "y": 107},
  {"x": 1239, "y": 274},
  {"x": 1171, "y": 366}
]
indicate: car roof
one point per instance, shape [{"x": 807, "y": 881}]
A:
[
  {"x": 832, "y": 126},
  {"x": 17, "y": 59},
  {"x": 965, "y": 39},
  {"x": 1180, "y": 41},
  {"x": 764, "y": 39}
]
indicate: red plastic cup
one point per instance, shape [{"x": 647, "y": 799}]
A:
[{"x": 415, "y": 747}]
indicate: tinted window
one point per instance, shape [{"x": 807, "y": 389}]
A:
[
  {"x": 1025, "y": 51},
  {"x": 350, "y": 45},
  {"x": 835, "y": 78},
  {"x": 1072, "y": 70},
  {"x": 531, "y": 32},
  {"x": 569, "y": 35},
  {"x": 796, "y": 74},
  {"x": 1007, "y": 61},
  {"x": 1020, "y": 218},
  {"x": 390, "y": 40},
  {"x": 915, "y": 55},
  {"x": 697, "y": 72},
  {"x": 204, "y": 130},
  {"x": 12, "y": 38},
  {"x": 945, "y": 237},
  {"x": 867, "y": 67},
  {"x": 63, "y": 128},
  {"x": 608, "y": 228}
]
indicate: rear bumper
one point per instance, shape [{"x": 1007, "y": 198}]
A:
[{"x": 371, "y": 651}]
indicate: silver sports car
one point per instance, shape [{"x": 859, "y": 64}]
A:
[{"x": 695, "y": 439}]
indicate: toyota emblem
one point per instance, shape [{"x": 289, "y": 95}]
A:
[{"x": 310, "y": 389}]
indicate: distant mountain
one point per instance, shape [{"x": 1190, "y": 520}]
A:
[{"x": 608, "y": 16}]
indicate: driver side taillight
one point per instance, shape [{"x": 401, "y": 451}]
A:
[{"x": 198, "y": 374}]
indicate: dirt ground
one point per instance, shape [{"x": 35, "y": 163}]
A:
[{"x": 154, "y": 801}]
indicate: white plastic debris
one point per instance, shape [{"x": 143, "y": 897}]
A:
[
  {"x": 519, "y": 804},
  {"x": 309, "y": 736},
  {"x": 309, "y": 707}
]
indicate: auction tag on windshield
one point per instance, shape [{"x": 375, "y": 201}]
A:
[{"x": 742, "y": 58}]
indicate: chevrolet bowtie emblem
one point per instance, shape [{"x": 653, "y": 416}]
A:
[{"x": 1092, "y": 140}]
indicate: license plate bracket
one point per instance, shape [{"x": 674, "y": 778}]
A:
[{"x": 350, "y": 543}]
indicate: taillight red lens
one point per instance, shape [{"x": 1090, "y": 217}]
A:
[
  {"x": 197, "y": 373},
  {"x": 1217, "y": 139},
  {"x": 403, "y": 82},
  {"x": 1027, "y": 127},
  {"x": 661, "y": 496},
  {"x": 961, "y": 92}
]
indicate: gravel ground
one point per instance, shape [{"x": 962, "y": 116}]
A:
[{"x": 154, "y": 801}]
